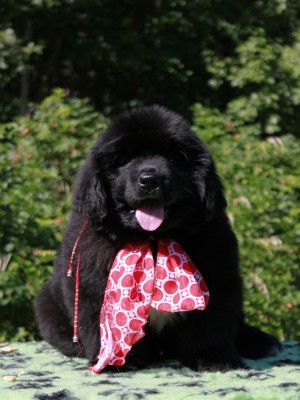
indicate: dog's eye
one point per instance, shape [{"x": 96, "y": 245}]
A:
[
  {"x": 179, "y": 157},
  {"x": 184, "y": 156},
  {"x": 118, "y": 162}
]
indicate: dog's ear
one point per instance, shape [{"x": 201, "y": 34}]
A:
[
  {"x": 214, "y": 200},
  {"x": 90, "y": 198},
  {"x": 210, "y": 189}
]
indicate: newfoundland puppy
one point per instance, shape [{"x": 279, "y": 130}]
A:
[{"x": 149, "y": 177}]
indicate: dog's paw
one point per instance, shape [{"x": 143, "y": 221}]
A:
[
  {"x": 218, "y": 366},
  {"x": 269, "y": 347},
  {"x": 254, "y": 344},
  {"x": 223, "y": 358}
]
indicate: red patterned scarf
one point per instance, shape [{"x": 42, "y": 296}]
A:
[{"x": 135, "y": 284}]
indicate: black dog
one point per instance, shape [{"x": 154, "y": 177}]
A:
[{"x": 149, "y": 159}]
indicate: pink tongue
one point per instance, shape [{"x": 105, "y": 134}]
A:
[{"x": 150, "y": 216}]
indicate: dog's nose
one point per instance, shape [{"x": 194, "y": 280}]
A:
[{"x": 149, "y": 181}]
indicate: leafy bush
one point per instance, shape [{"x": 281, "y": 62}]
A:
[
  {"x": 263, "y": 78},
  {"x": 263, "y": 193},
  {"x": 39, "y": 157}
]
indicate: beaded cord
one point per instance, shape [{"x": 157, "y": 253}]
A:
[{"x": 76, "y": 281}]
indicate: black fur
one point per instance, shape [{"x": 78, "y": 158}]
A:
[{"x": 108, "y": 190}]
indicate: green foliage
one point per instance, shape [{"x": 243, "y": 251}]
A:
[
  {"x": 175, "y": 53},
  {"x": 11, "y": 64},
  {"x": 39, "y": 158},
  {"x": 263, "y": 75},
  {"x": 263, "y": 193}
]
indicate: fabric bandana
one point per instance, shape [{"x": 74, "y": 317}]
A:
[{"x": 135, "y": 284}]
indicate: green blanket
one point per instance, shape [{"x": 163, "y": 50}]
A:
[{"x": 37, "y": 371}]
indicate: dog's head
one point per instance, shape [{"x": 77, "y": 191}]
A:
[{"x": 149, "y": 172}]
